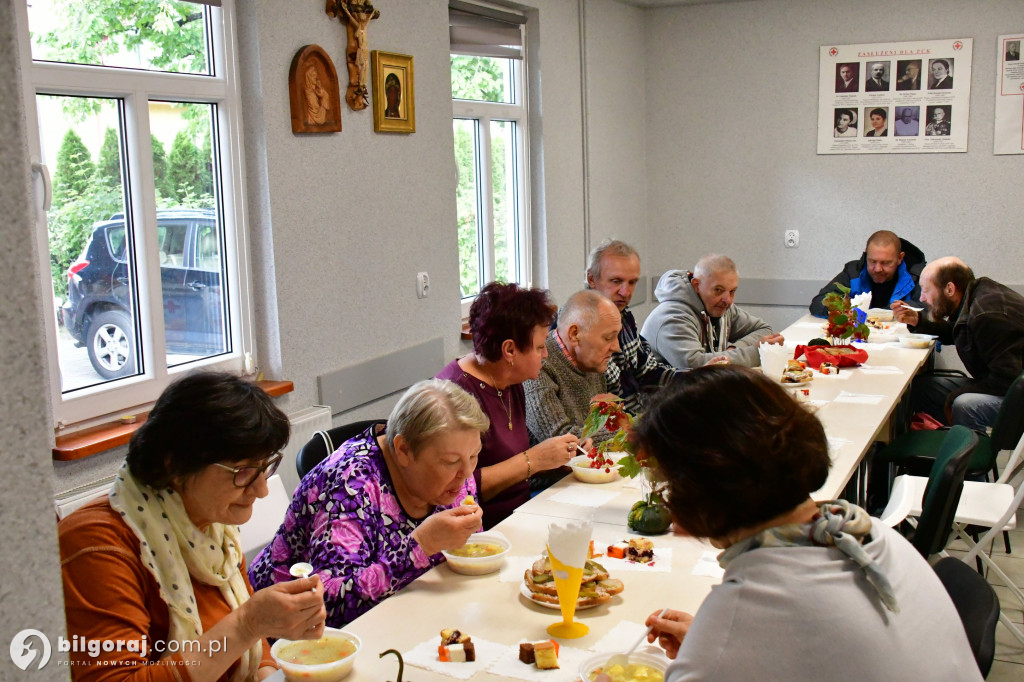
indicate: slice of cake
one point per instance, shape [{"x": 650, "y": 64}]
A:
[
  {"x": 456, "y": 647},
  {"x": 618, "y": 550},
  {"x": 457, "y": 653},
  {"x": 545, "y": 654},
  {"x": 640, "y": 550}
]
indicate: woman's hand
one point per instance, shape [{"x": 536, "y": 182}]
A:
[
  {"x": 553, "y": 453},
  {"x": 288, "y": 610},
  {"x": 669, "y": 630},
  {"x": 448, "y": 529}
]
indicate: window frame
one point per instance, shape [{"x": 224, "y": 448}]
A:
[
  {"x": 483, "y": 113},
  {"x": 136, "y": 88}
]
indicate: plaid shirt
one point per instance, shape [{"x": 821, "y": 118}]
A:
[{"x": 635, "y": 369}]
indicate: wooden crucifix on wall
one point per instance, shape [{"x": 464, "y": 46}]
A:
[{"x": 357, "y": 15}]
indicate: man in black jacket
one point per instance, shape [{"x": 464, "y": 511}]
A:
[
  {"x": 985, "y": 320},
  {"x": 889, "y": 268}
]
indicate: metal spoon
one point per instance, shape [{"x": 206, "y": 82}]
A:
[{"x": 623, "y": 658}]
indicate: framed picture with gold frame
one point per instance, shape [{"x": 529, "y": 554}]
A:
[{"x": 394, "y": 96}]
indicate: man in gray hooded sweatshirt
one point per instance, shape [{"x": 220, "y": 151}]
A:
[{"x": 695, "y": 321}]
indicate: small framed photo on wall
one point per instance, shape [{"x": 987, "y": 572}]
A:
[{"x": 394, "y": 96}]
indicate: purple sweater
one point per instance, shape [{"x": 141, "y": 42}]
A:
[
  {"x": 500, "y": 442},
  {"x": 345, "y": 519}
]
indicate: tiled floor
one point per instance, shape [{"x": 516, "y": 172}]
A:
[{"x": 1009, "y": 663}]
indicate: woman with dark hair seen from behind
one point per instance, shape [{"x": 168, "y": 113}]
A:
[
  {"x": 375, "y": 515},
  {"x": 509, "y": 326},
  {"x": 160, "y": 559},
  {"x": 810, "y": 589}
]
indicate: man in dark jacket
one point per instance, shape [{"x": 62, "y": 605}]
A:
[
  {"x": 986, "y": 322},
  {"x": 889, "y": 268}
]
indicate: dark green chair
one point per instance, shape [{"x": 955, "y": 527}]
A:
[
  {"x": 977, "y": 604},
  {"x": 942, "y": 494},
  {"x": 913, "y": 451},
  {"x": 324, "y": 443}
]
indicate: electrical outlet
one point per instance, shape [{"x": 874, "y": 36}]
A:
[
  {"x": 791, "y": 238},
  {"x": 422, "y": 285}
]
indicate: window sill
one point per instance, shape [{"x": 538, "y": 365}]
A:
[
  {"x": 112, "y": 434},
  {"x": 466, "y": 335}
]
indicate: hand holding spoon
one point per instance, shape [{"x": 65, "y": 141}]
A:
[
  {"x": 301, "y": 570},
  {"x": 623, "y": 658}
]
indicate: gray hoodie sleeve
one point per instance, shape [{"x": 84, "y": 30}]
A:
[
  {"x": 677, "y": 338},
  {"x": 745, "y": 331}
]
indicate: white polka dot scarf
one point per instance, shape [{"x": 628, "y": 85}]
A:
[{"x": 175, "y": 551}]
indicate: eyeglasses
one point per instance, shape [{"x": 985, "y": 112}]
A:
[{"x": 247, "y": 475}]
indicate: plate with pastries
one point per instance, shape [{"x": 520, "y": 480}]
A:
[
  {"x": 796, "y": 374},
  {"x": 596, "y": 586}
]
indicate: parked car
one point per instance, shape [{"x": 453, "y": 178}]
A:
[{"x": 99, "y": 309}]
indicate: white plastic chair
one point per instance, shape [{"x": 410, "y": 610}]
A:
[
  {"x": 989, "y": 505},
  {"x": 267, "y": 515}
]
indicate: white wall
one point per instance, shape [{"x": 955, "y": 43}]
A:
[
  {"x": 30, "y": 591},
  {"x": 731, "y": 112},
  {"x": 616, "y": 112}
]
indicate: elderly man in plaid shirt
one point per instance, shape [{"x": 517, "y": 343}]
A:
[{"x": 614, "y": 269}]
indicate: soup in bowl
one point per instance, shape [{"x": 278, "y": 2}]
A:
[
  {"x": 483, "y": 553},
  {"x": 327, "y": 659}
]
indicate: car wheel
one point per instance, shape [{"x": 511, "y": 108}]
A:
[{"x": 111, "y": 344}]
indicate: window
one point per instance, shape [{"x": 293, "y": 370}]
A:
[
  {"x": 489, "y": 111},
  {"x": 139, "y": 129}
]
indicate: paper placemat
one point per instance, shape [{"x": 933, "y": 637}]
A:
[
  {"x": 858, "y": 398},
  {"x": 707, "y": 565},
  {"x": 424, "y": 655},
  {"x": 880, "y": 369},
  {"x": 584, "y": 496},
  {"x": 508, "y": 664}
]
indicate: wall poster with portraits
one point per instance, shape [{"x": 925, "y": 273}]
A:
[
  {"x": 1009, "y": 128},
  {"x": 894, "y": 98}
]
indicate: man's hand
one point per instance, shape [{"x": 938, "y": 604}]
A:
[
  {"x": 902, "y": 313},
  {"x": 772, "y": 338}
]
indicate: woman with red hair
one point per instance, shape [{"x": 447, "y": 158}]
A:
[{"x": 509, "y": 324}]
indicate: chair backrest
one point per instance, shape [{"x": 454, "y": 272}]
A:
[
  {"x": 1009, "y": 424},
  {"x": 267, "y": 516},
  {"x": 977, "y": 604},
  {"x": 942, "y": 495},
  {"x": 324, "y": 443}
]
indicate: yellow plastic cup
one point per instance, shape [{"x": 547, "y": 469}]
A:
[{"x": 567, "y": 584}]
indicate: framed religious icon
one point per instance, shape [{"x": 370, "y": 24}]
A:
[
  {"x": 313, "y": 91},
  {"x": 394, "y": 97}
]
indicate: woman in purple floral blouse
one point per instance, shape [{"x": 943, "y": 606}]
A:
[{"x": 375, "y": 515}]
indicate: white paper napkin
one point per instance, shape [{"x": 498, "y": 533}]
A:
[
  {"x": 508, "y": 665},
  {"x": 619, "y": 637},
  {"x": 633, "y": 482},
  {"x": 835, "y": 443},
  {"x": 858, "y": 398},
  {"x": 843, "y": 374},
  {"x": 880, "y": 369},
  {"x": 424, "y": 655},
  {"x": 662, "y": 562},
  {"x": 584, "y": 496},
  {"x": 707, "y": 565}
]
